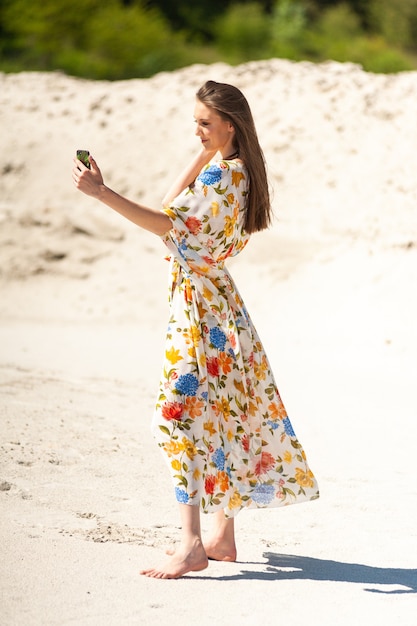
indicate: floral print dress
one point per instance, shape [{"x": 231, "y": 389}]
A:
[{"x": 219, "y": 418}]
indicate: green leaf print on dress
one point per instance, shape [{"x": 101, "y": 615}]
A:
[{"x": 219, "y": 418}]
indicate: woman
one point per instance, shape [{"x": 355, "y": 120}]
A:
[{"x": 219, "y": 419}]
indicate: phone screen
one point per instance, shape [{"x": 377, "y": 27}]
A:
[{"x": 82, "y": 155}]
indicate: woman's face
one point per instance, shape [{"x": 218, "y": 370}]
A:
[{"x": 215, "y": 133}]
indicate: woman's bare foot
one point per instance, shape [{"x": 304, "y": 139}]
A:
[
  {"x": 216, "y": 551},
  {"x": 184, "y": 560},
  {"x": 221, "y": 545},
  {"x": 221, "y": 550}
]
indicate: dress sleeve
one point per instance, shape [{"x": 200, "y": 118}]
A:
[{"x": 207, "y": 216}]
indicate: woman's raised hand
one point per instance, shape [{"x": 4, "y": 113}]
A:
[{"x": 89, "y": 181}]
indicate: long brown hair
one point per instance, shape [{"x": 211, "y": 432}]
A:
[{"x": 230, "y": 103}]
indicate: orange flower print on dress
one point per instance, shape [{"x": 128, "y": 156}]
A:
[
  {"x": 223, "y": 481},
  {"x": 210, "y": 484},
  {"x": 172, "y": 410},
  {"x": 188, "y": 292},
  {"x": 213, "y": 366},
  {"x": 245, "y": 442},
  {"x": 277, "y": 411},
  {"x": 194, "y": 406},
  {"x": 194, "y": 225},
  {"x": 225, "y": 362},
  {"x": 209, "y": 261},
  {"x": 232, "y": 339},
  {"x": 265, "y": 463}
]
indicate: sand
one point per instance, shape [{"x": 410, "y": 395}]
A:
[{"x": 86, "y": 501}]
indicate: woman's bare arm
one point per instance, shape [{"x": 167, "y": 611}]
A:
[
  {"x": 189, "y": 175},
  {"x": 90, "y": 182}
]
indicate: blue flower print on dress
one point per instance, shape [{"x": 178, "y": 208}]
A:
[
  {"x": 218, "y": 338},
  {"x": 204, "y": 395},
  {"x": 288, "y": 427},
  {"x": 218, "y": 459},
  {"x": 273, "y": 425},
  {"x": 181, "y": 495},
  {"x": 183, "y": 248},
  {"x": 263, "y": 493},
  {"x": 246, "y": 314},
  {"x": 187, "y": 384},
  {"x": 211, "y": 176}
]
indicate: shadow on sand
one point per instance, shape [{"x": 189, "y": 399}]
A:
[{"x": 292, "y": 567}]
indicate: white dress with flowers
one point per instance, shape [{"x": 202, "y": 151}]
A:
[{"x": 219, "y": 419}]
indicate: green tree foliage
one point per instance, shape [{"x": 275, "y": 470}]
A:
[
  {"x": 33, "y": 32},
  {"x": 395, "y": 21},
  {"x": 338, "y": 35},
  {"x": 120, "y": 39},
  {"x": 289, "y": 22},
  {"x": 139, "y": 42},
  {"x": 91, "y": 39},
  {"x": 243, "y": 33},
  {"x": 199, "y": 17}
]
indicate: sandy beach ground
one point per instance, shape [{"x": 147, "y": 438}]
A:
[{"x": 86, "y": 501}]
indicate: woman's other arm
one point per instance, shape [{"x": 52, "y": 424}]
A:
[{"x": 189, "y": 175}]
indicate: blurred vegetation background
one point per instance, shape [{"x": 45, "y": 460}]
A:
[{"x": 119, "y": 39}]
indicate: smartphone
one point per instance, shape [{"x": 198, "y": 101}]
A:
[{"x": 82, "y": 155}]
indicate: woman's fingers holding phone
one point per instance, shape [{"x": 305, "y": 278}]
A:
[
  {"x": 85, "y": 179},
  {"x": 95, "y": 171}
]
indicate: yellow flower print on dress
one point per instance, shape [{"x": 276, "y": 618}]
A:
[
  {"x": 192, "y": 335},
  {"x": 208, "y": 294},
  {"x": 189, "y": 448},
  {"x": 237, "y": 177},
  {"x": 303, "y": 478},
  {"x": 170, "y": 213},
  {"x": 173, "y": 448},
  {"x": 224, "y": 408},
  {"x": 260, "y": 369},
  {"x": 173, "y": 355},
  {"x": 209, "y": 427},
  {"x": 229, "y": 225},
  {"x": 235, "y": 501},
  {"x": 287, "y": 456}
]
